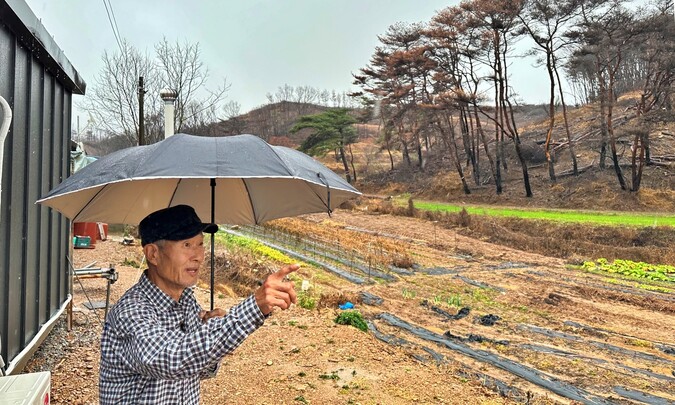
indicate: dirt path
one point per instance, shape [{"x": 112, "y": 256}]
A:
[{"x": 592, "y": 336}]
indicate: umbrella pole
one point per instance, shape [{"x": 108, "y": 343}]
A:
[{"x": 213, "y": 239}]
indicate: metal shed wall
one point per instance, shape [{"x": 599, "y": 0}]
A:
[{"x": 38, "y": 83}]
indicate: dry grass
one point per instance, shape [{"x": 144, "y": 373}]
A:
[
  {"x": 662, "y": 198},
  {"x": 574, "y": 242},
  {"x": 237, "y": 273},
  {"x": 375, "y": 249}
]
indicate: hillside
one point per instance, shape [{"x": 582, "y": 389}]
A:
[
  {"x": 271, "y": 122},
  {"x": 593, "y": 188}
]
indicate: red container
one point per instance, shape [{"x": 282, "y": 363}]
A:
[{"x": 86, "y": 229}]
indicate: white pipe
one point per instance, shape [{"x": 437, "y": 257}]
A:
[
  {"x": 4, "y": 128},
  {"x": 168, "y": 118},
  {"x": 169, "y": 96}
]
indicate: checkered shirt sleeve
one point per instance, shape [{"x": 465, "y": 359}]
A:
[{"x": 154, "y": 350}]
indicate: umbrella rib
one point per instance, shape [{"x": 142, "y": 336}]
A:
[
  {"x": 325, "y": 181},
  {"x": 248, "y": 193},
  {"x": 88, "y": 202},
  {"x": 283, "y": 162},
  {"x": 307, "y": 184},
  {"x": 175, "y": 190},
  {"x": 288, "y": 169}
]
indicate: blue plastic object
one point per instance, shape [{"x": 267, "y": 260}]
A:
[{"x": 346, "y": 305}]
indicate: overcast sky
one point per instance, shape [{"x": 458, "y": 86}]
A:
[{"x": 257, "y": 45}]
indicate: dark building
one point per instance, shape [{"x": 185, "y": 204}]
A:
[{"x": 38, "y": 83}]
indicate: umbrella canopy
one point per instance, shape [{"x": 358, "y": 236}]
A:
[{"x": 235, "y": 180}]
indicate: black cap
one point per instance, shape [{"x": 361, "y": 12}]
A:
[{"x": 174, "y": 223}]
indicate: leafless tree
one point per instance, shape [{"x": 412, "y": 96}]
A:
[
  {"x": 183, "y": 70},
  {"x": 546, "y": 22},
  {"x": 499, "y": 21},
  {"x": 607, "y": 36},
  {"x": 113, "y": 99}
]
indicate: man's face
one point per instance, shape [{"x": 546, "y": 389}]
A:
[{"x": 176, "y": 264}]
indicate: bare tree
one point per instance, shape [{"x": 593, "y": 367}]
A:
[
  {"x": 457, "y": 46},
  {"x": 306, "y": 95},
  {"x": 183, "y": 71},
  {"x": 232, "y": 112},
  {"x": 606, "y": 36},
  {"x": 546, "y": 21},
  {"x": 113, "y": 99},
  {"x": 199, "y": 119},
  {"x": 499, "y": 22},
  {"x": 655, "y": 53}
]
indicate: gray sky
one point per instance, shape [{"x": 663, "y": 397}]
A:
[{"x": 257, "y": 45}]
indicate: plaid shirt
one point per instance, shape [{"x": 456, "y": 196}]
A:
[{"x": 155, "y": 350}]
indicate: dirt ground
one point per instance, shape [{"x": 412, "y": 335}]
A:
[{"x": 560, "y": 334}]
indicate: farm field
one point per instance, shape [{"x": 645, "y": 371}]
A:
[{"x": 458, "y": 320}]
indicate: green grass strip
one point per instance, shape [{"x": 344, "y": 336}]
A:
[{"x": 589, "y": 217}]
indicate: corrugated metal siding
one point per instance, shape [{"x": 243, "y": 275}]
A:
[{"x": 34, "y": 241}]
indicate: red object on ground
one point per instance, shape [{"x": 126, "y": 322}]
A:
[{"x": 86, "y": 229}]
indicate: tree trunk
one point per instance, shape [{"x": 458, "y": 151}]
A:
[
  {"x": 452, "y": 146},
  {"x": 387, "y": 143},
  {"x": 391, "y": 157},
  {"x": 467, "y": 143},
  {"x": 508, "y": 118},
  {"x": 406, "y": 154},
  {"x": 603, "y": 123},
  {"x": 351, "y": 161},
  {"x": 617, "y": 168},
  {"x": 573, "y": 155},
  {"x": 475, "y": 144},
  {"x": 644, "y": 140},
  {"x": 551, "y": 117},
  {"x": 636, "y": 163},
  {"x": 420, "y": 159},
  {"x": 523, "y": 165},
  {"x": 344, "y": 163},
  {"x": 494, "y": 169},
  {"x": 498, "y": 160},
  {"x": 610, "y": 131}
]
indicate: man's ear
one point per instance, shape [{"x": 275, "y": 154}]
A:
[{"x": 151, "y": 252}]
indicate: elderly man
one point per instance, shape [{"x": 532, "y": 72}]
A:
[{"x": 157, "y": 342}]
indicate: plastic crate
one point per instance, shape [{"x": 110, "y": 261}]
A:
[{"x": 82, "y": 241}]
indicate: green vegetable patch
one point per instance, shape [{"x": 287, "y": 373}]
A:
[{"x": 640, "y": 270}]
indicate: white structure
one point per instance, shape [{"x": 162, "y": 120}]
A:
[
  {"x": 4, "y": 128},
  {"x": 26, "y": 389},
  {"x": 169, "y": 96}
]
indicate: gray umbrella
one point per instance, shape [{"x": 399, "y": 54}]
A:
[{"x": 229, "y": 180}]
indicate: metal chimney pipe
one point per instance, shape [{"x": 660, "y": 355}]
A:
[{"x": 169, "y": 96}]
